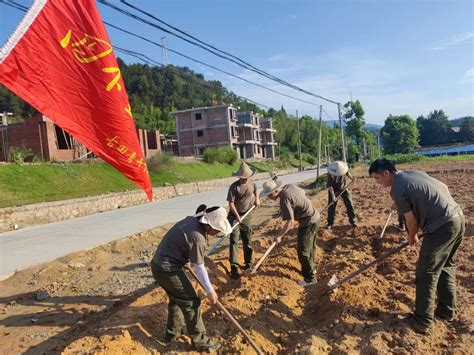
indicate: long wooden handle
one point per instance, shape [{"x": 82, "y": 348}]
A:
[
  {"x": 340, "y": 193},
  {"x": 257, "y": 265},
  {"x": 386, "y": 224},
  {"x": 227, "y": 313},
  {"x": 365, "y": 267},
  {"x": 219, "y": 241}
]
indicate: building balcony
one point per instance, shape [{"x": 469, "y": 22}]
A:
[
  {"x": 249, "y": 125},
  {"x": 269, "y": 143},
  {"x": 268, "y": 130}
]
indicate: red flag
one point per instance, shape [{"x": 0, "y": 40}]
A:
[{"x": 60, "y": 61}]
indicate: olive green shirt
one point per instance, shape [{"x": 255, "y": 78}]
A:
[
  {"x": 295, "y": 205},
  {"x": 431, "y": 203},
  {"x": 242, "y": 195},
  {"x": 338, "y": 183},
  {"x": 184, "y": 242}
]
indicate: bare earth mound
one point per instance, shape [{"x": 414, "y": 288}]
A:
[{"x": 104, "y": 300}]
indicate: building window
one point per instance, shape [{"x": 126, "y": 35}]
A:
[
  {"x": 200, "y": 133},
  {"x": 63, "y": 138},
  {"x": 151, "y": 139},
  {"x": 198, "y": 116}
]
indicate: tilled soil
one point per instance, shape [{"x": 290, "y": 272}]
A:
[{"x": 104, "y": 300}]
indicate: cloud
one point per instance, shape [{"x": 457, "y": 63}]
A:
[
  {"x": 452, "y": 41},
  {"x": 469, "y": 74},
  {"x": 383, "y": 87}
]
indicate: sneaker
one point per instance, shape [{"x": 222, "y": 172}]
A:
[
  {"x": 207, "y": 347},
  {"x": 234, "y": 272},
  {"x": 329, "y": 227},
  {"x": 446, "y": 317},
  {"x": 247, "y": 266},
  {"x": 305, "y": 283},
  {"x": 354, "y": 225},
  {"x": 416, "y": 325}
]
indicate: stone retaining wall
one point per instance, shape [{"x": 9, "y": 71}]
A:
[{"x": 48, "y": 212}]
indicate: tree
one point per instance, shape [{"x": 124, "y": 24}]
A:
[
  {"x": 434, "y": 129},
  {"x": 467, "y": 129},
  {"x": 354, "y": 130},
  {"x": 399, "y": 134}
]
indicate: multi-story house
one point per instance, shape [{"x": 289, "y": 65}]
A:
[
  {"x": 203, "y": 127},
  {"x": 221, "y": 126},
  {"x": 267, "y": 134}
]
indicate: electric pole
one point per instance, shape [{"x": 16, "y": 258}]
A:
[
  {"x": 344, "y": 158},
  {"x": 164, "y": 52},
  {"x": 320, "y": 134},
  {"x": 299, "y": 140}
]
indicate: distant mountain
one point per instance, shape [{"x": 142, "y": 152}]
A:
[
  {"x": 457, "y": 122},
  {"x": 367, "y": 126}
]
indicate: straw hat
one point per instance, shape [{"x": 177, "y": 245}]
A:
[
  {"x": 244, "y": 171},
  {"x": 338, "y": 168},
  {"x": 216, "y": 218},
  {"x": 269, "y": 186}
]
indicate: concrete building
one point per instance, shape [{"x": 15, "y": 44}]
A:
[
  {"x": 203, "y": 127},
  {"x": 222, "y": 126},
  {"x": 51, "y": 143}
]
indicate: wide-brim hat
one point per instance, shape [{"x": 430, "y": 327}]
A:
[
  {"x": 269, "y": 186},
  {"x": 244, "y": 172},
  {"x": 338, "y": 168},
  {"x": 217, "y": 219}
]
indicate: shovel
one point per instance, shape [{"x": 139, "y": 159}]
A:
[
  {"x": 227, "y": 313},
  {"x": 260, "y": 261},
  {"x": 335, "y": 283},
  {"x": 213, "y": 248}
]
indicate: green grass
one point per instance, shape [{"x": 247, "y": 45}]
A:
[
  {"x": 22, "y": 184},
  {"x": 417, "y": 158}
]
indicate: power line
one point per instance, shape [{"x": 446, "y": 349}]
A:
[
  {"x": 147, "y": 59},
  {"x": 208, "y": 65},
  {"x": 227, "y": 56}
]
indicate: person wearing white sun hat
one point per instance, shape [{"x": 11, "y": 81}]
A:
[
  {"x": 295, "y": 206},
  {"x": 186, "y": 242}
]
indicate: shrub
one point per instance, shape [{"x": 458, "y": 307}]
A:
[
  {"x": 220, "y": 155},
  {"x": 310, "y": 159},
  {"x": 406, "y": 158},
  {"x": 19, "y": 155},
  {"x": 160, "y": 162}
]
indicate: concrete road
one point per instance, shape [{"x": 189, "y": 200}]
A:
[{"x": 33, "y": 245}]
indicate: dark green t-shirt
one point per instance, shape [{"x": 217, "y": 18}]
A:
[
  {"x": 338, "y": 183},
  {"x": 295, "y": 205},
  {"x": 184, "y": 242},
  {"x": 416, "y": 191},
  {"x": 242, "y": 195}
]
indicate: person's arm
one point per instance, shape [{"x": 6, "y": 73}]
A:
[
  {"x": 203, "y": 277},
  {"x": 412, "y": 227},
  {"x": 331, "y": 191},
  {"x": 234, "y": 211},
  {"x": 257, "y": 197},
  {"x": 286, "y": 228}
]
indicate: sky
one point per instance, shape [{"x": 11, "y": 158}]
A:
[{"x": 395, "y": 56}]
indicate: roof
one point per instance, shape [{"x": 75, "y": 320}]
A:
[{"x": 200, "y": 108}]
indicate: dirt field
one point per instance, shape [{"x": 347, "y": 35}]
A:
[{"x": 103, "y": 301}]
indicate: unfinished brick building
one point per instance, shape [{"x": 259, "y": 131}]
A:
[
  {"x": 221, "y": 126},
  {"x": 50, "y": 143}
]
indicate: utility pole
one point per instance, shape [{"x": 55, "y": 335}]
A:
[
  {"x": 320, "y": 133},
  {"x": 299, "y": 140},
  {"x": 5, "y": 148},
  {"x": 344, "y": 158},
  {"x": 164, "y": 52}
]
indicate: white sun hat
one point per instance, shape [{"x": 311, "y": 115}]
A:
[
  {"x": 216, "y": 218},
  {"x": 338, "y": 168},
  {"x": 269, "y": 186}
]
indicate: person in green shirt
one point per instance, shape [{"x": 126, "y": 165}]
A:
[
  {"x": 242, "y": 195},
  {"x": 186, "y": 242},
  {"x": 296, "y": 207},
  {"x": 426, "y": 205}
]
